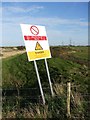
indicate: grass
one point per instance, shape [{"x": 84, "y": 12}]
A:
[
  {"x": 81, "y": 52},
  {"x": 18, "y": 73},
  {"x": 18, "y": 69},
  {"x": 73, "y": 53}
]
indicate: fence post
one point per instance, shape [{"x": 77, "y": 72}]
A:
[{"x": 68, "y": 98}]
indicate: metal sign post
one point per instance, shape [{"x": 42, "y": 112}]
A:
[
  {"x": 41, "y": 90},
  {"x": 49, "y": 78}
]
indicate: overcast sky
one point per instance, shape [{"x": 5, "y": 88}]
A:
[{"x": 64, "y": 21}]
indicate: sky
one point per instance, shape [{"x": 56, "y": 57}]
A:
[
  {"x": 64, "y": 21},
  {"x": 45, "y": 0}
]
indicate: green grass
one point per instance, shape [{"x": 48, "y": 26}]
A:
[
  {"x": 77, "y": 54},
  {"x": 18, "y": 73},
  {"x": 18, "y": 69},
  {"x": 81, "y": 52}
]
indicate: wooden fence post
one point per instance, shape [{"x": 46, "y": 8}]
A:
[{"x": 68, "y": 98}]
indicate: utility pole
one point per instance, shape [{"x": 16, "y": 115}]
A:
[{"x": 70, "y": 42}]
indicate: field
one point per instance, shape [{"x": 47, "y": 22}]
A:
[
  {"x": 10, "y": 51},
  {"x": 21, "y": 95}
]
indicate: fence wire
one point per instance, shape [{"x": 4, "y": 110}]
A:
[{"x": 30, "y": 98}]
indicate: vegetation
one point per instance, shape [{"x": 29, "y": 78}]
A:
[{"x": 67, "y": 63}]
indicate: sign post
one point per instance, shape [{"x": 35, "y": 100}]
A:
[
  {"x": 39, "y": 82},
  {"x": 37, "y": 48},
  {"x": 49, "y": 77}
]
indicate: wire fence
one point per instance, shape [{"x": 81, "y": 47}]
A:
[{"x": 30, "y": 98}]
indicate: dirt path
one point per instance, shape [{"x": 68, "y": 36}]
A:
[{"x": 9, "y": 53}]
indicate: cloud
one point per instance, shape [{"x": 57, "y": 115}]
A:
[
  {"x": 48, "y": 21},
  {"x": 58, "y": 29},
  {"x": 12, "y": 33},
  {"x": 21, "y": 9},
  {"x": 22, "y": 14}
]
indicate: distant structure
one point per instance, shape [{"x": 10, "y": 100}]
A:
[
  {"x": 73, "y": 43},
  {"x": 62, "y": 43},
  {"x": 70, "y": 44}
]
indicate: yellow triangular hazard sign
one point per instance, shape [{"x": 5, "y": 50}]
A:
[{"x": 38, "y": 47}]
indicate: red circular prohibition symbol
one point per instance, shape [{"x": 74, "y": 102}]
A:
[{"x": 34, "y": 30}]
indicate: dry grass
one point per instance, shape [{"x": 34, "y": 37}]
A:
[
  {"x": 33, "y": 112},
  {"x": 59, "y": 89},
  {"x": 8, "y": 52}
]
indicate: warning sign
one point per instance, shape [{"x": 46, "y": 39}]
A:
[
  {"x": 36, "y": 42},
  {"x": 38, "y": 47}
]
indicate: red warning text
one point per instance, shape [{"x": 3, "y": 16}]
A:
[{"x": 35, "y": 37}]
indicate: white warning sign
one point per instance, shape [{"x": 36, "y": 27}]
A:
[{"x": 36, "y": 42}]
